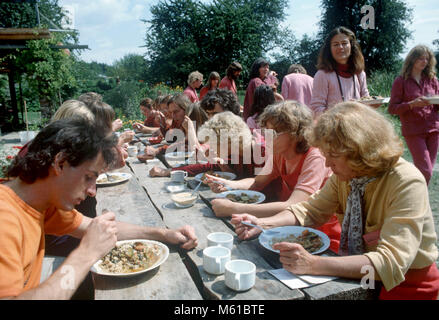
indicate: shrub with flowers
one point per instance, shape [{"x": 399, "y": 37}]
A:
[{"x": 6, "y": 157}]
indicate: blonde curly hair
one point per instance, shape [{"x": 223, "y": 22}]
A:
[
  {"x": 289, "y": 116},
  {"x": 361, "y": 134}
]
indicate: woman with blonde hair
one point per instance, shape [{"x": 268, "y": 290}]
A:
[
  {"x": 293, "y": 171},
  {"x": 195, "y": 80},
  {"x": 419, "y": 118},
  {"x": 73, "y": 108},
  {"x": 387, "y": 223},
  {"x": 212, "y": 84}
]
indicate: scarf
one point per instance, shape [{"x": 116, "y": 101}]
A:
[
  {"x": 351, "y": 240},
  {"x": 343, "y": 70}
]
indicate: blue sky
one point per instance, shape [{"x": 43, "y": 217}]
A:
[{"x": 112, "y": 28}]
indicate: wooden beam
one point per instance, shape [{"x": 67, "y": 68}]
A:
[{"x": 24, "y": 34}]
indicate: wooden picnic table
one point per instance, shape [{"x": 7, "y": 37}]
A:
[{"x": 144, "y": 200}]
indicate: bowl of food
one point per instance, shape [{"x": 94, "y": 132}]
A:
[
  {"x": 132, "y": 257},
  {"x": 184, "y": 199},
  {"x": 243, "y": 196}
]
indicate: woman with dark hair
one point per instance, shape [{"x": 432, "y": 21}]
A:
[
  {"x": 212, "y": 84},
  {"x": 340, "y": 76},
  {"x": 232, "y": 73},
  {"x": 154, "y": 119},
  {"x": 419, "y": 118},
  {"x": 262, "y": 97},
  {"x": 259, "y": 75}
]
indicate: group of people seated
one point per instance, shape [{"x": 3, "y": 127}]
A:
[{"x": 322, "y": 158}]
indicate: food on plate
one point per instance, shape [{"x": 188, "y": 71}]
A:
[
  {"x": 113, "y": 178},
  {"x": 155, "y": 140},
  {"x": 131, "y": 257},
  {"x": 243, "y": 197},
  {"x": 308, "y": 239},
  {"x": 184, "y": 198}
]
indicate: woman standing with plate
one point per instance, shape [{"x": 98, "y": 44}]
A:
[
  {"x": 419, "y": 118},
  {"x": 340, "y": 76}
]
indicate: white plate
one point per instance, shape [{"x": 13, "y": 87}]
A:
[
  {"x": 433, "y": 100},
  {"x": 250, "y": 193},
  {"x": 222, "y": 174},
  {"x": 124, "y": 177},
  {"x": 163, "y": 256},
  {"x": 266, "y": 239},
  {"x": 374, "y": 101},
  {"x": 178, "y": 155}
]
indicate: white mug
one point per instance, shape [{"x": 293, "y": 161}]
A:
[
  {"x": 220, "y": 239},
  {"x": 215, "y": 259},
  {"x": 132, "y": 151},
  {"x": 240, "y": 275},
  {"x": 178, "y": 176}
]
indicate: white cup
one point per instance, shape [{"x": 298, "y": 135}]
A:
[
  {"x": 240, "y": 275},
  {"x": 178, "y": 176},
  {"x": 220, "y": 239},
  {"x": 215, "y": 259},
  {"x": 132, "y": 151}
]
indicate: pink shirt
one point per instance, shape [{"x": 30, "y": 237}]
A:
[
  {"x": 191, "y": 93},
  {"x": 417, "y": 120},
  {"x": 326, "y": 91},
  {"x": 227, "y": 83},
  {"x": 297, "y": 86},
  {"x": 313, "y": 175},
  {"x": 252, "y": 85},
  {"x": 253, "y": 124}
]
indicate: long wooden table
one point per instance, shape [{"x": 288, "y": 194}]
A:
[{"x": 144, "y": 200}]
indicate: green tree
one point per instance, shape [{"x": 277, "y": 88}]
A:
[
  {"x": 132, "y": 67},
  {"x": 184, "y": 35},
  {"x": 382, "y": 45}
]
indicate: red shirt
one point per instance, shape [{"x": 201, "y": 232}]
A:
[
  {"x": 227, "y": 83},
  {"x": 253, "y": 84},
  {"x": 203, "y": 92},
  {"x": 416, "y": 120}
]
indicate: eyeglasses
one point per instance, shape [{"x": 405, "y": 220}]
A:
[{"x": 275, "y": 133}]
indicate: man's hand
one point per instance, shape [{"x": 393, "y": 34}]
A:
[
  {"x": 159, "y": 172},
  {"x": 100, "y": 236},
  {"x": 185, "y": 236},
  {"x": 116, "y": 125}
]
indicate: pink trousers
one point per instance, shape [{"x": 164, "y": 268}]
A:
[{"x": 424, "y": 149}]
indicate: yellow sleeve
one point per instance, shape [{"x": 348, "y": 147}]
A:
[
  {"x": 401, "y": 233},
  {"x": 320, "y": 207}
]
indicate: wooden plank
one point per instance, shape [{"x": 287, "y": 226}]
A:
[
  {"x": 204, "y": 222},
  {"x": 131, "y": 204}
]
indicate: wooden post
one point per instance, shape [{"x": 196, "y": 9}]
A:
[{"x": 25, "y": 116}]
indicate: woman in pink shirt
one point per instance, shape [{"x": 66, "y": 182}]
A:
[
  {"x": 259, "y": 75},
  {"x": 341, "y": 75},
  {"x": 293, "y": 170},
  {"x": 212, "y": 84},
  {"x": 232, "y": 73},
  {"x": 419, "y": 118},
  {"x": 195, "y": 80}
]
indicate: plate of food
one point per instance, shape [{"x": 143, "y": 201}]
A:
[
  {"x": 219, "y": 174},
  {"x": 178, "y": 155},
  {"x": 243, "y": 196},
  {"x": 112, "y": 178},
  {"x": 433, "y": 99},
  {"x": 154, "y": 140},
  {"x": 374, "y": 100},
  {"x": 314, "y": 241},
  {"x": 132, "y": 257}
]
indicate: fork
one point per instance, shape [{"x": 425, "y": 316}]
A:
[
  {"x": 267, "y": 232},
  {"x": 109, "y": 177}
]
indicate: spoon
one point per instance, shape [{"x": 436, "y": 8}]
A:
[
  {"x": 267, "y": 232},
  {"x": 109, "y": 177},
  {"x": 197, "y": 187}
]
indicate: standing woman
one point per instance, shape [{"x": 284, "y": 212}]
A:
[
  {"x": 195, "y": 80},
  {"x": 340, "y": 76},
  {"x": 258, "y": 75},
  {"x": 419, "y": 118},
  {"x": 212, "y": 84}
]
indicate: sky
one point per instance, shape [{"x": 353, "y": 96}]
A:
[{"x": 113, "y": 28}]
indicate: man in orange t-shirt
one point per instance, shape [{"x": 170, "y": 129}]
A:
[{"x": 58, "y": 171}]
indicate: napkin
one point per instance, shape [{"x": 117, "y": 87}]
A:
[{"x": 298, "y": 281}]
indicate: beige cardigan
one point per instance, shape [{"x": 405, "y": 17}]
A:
[{"x": 397, "y": 206}]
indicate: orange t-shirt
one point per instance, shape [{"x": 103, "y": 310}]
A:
[{"x": 22, "y": 230}]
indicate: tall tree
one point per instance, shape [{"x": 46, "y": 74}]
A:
[
  {"x": 184, "y": 35},
  {"x": 382, "y": 45}
]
